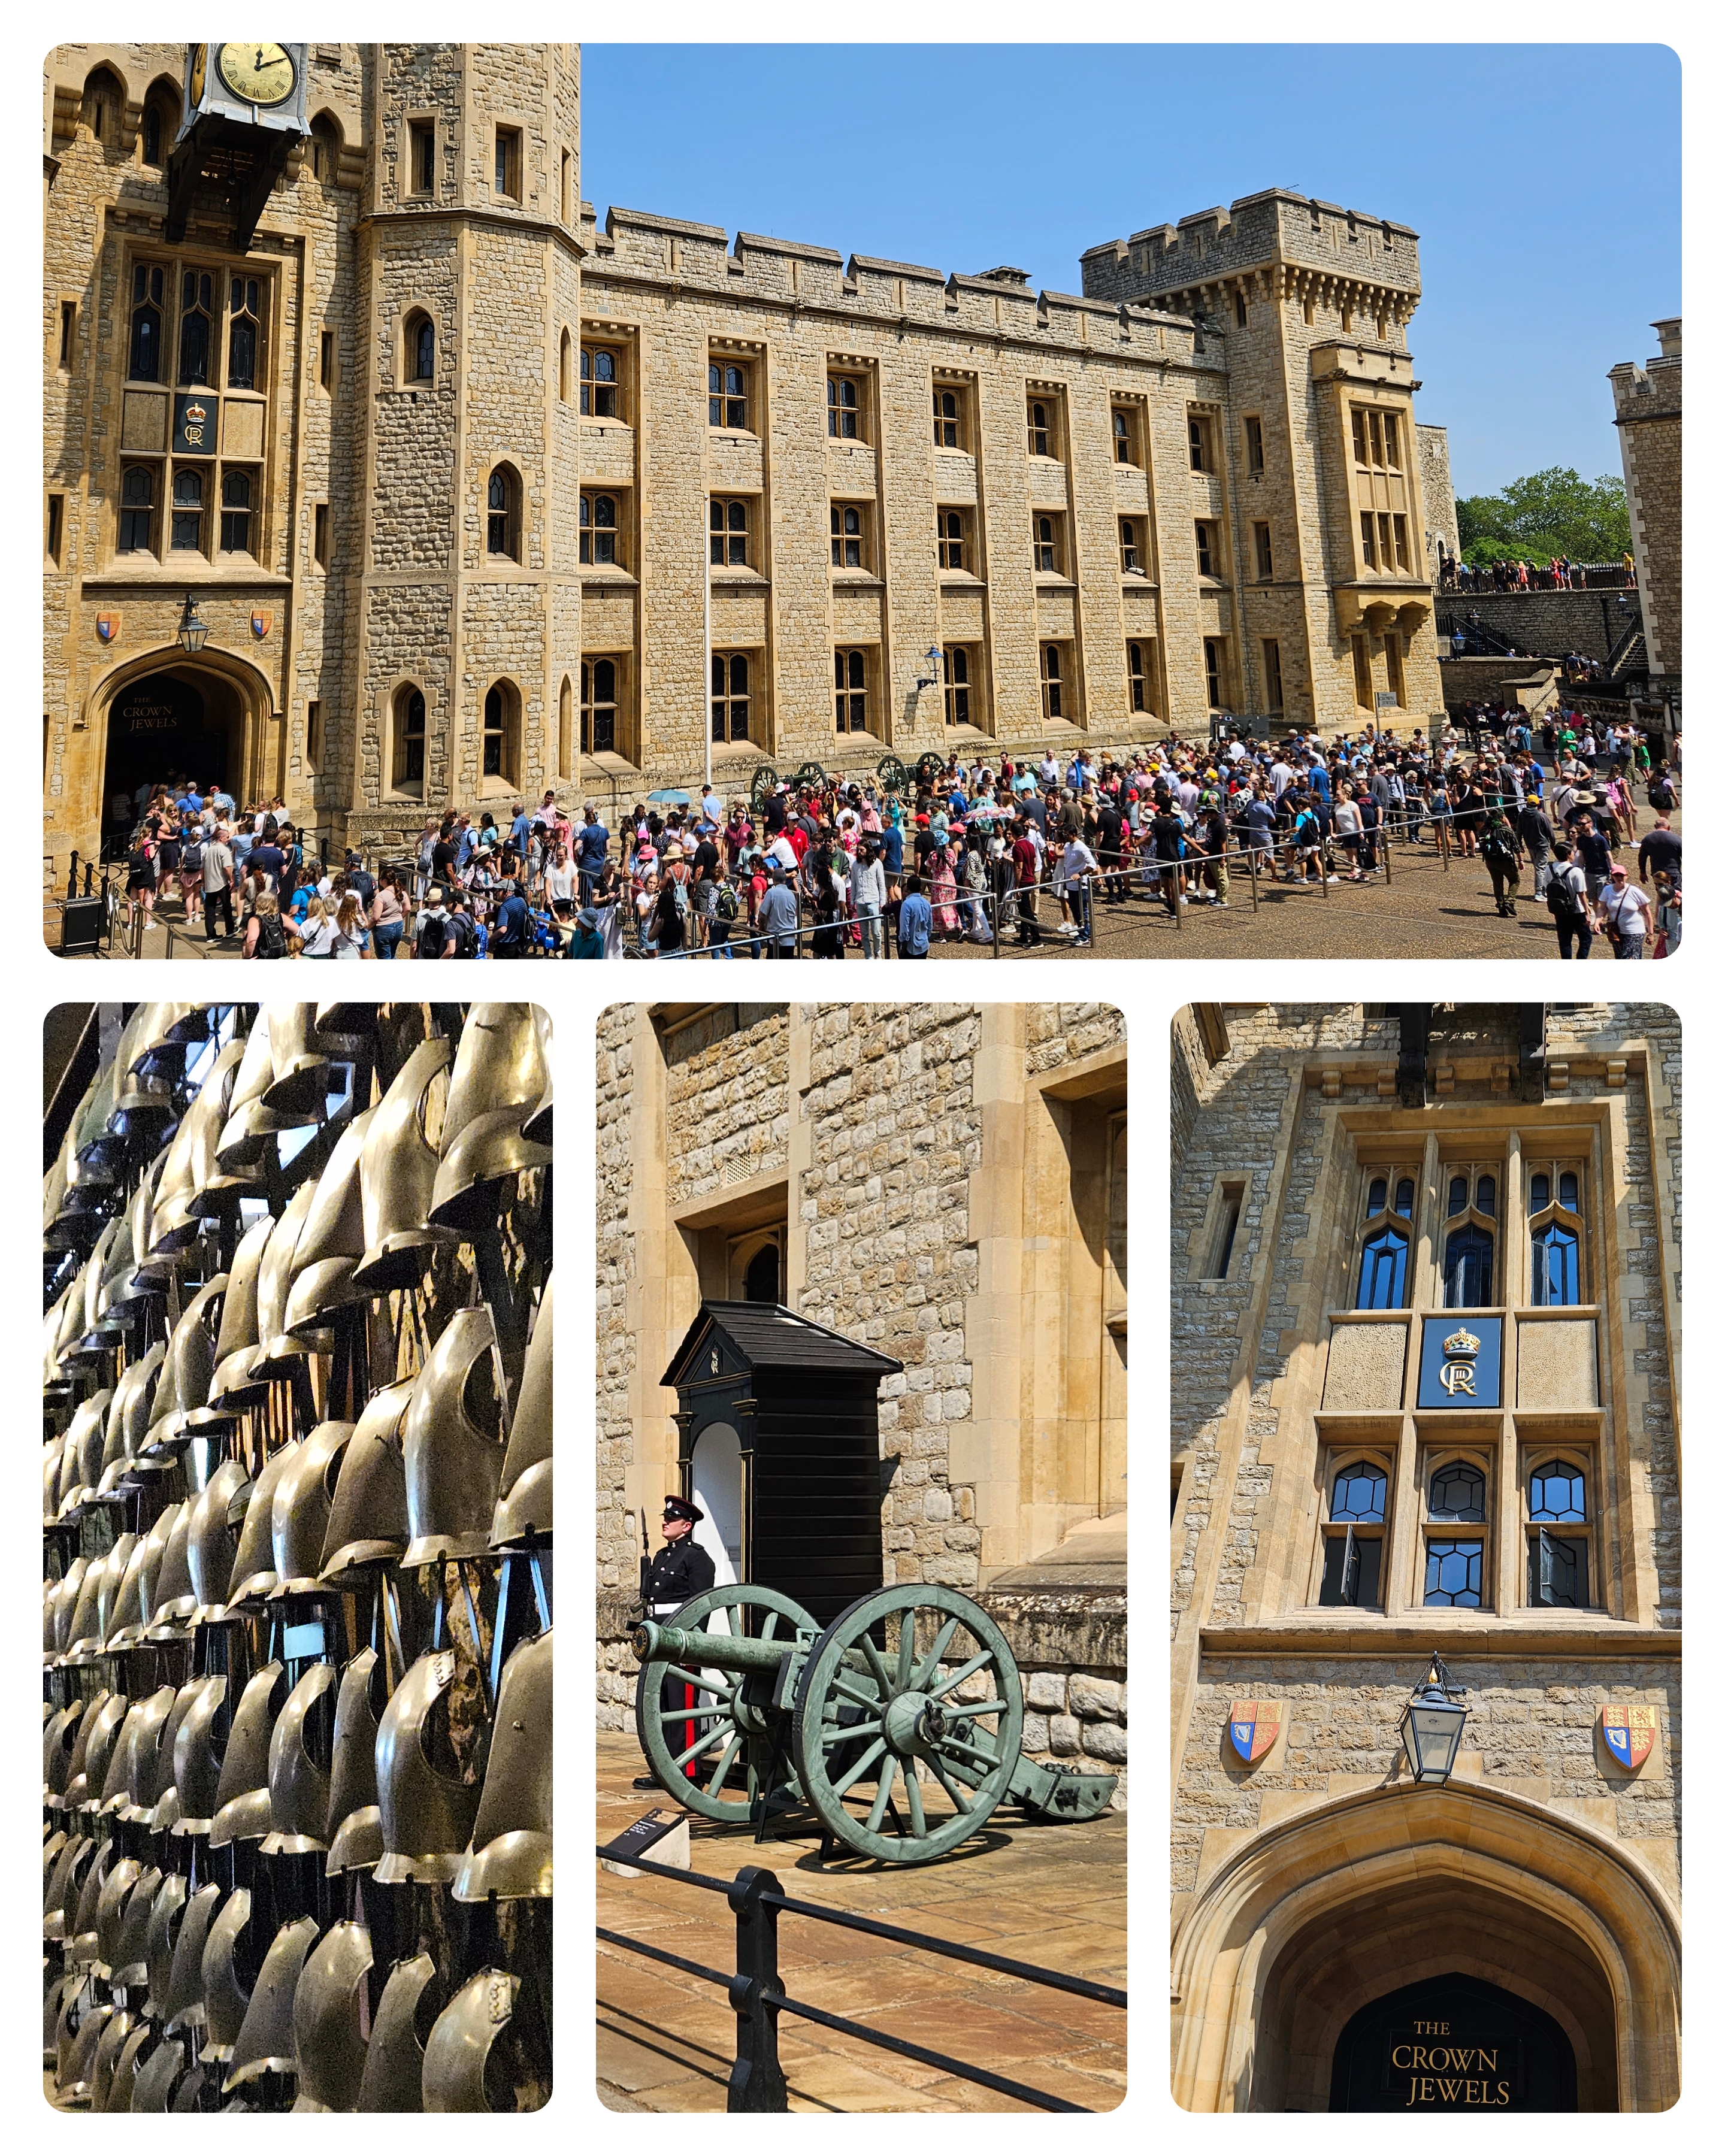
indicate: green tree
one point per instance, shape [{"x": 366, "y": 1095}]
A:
[{"x": 1546, "y": 513}]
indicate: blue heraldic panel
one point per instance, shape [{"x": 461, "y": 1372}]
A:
[{"x": 1460, "y": 1363}]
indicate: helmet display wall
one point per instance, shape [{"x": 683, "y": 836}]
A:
[{"x": 296, "y": 1632}]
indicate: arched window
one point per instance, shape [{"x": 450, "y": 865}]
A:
[
  {"x": 1556, "y": 1563},
  {"x": 236, "y": 512},
  {"x": 186, "y": 533},
  {"x": 598, "y": 707},
  {"x": 503, "y": 501},
  {"x": 1458, "y": 1492},
  {"x": 598, "y": 382},
  {"x": 1557, "y": 1266},
  {"x": 145, "y": 362},
  {"x": 565, "y": 728},
  {"x": 599, "y": 528},
  {"x": 1404, "y": 1197},
  {"x": 1539, "y": 1193},
  {"x": 1558, "y": 1491},
  {"x": 1122, "y": 438},
  {"x": 152, "y": 133},
  {"x": 1458, "y": 1195},
  {"x": 1359, "y": 1492},
  {"x": 408, "y": 749},
  {"x": 1039, "y": 428},
  {"x": 1467, "y": 1270},
  {"x": 1485, "y": 1196},
  {"x": 197, "y": 292},
  {"x": 760, "y": 1279},
  {"x": 1383, "y": 1271},
  {"x": 103, "y": 101},
  {"x": 245, "y": 332},
  {"x": 499, "y": 758},
  {"x": 847, "y": 535},
  {"x": 948, "y": 419},
  {"x": 728, "y": 533},
  {"x": 1353, "y": 1541},
  {"x": 844, "y": 407},
  {"x": 565, "y": 361},
  {"x": 1377, "y": 1195},
  {"x": 326, "y": 148},
  {"x": 1569, "y": 1191},
  {"x": 418, "y": 348},
  {"x": 727, "y": 395}
]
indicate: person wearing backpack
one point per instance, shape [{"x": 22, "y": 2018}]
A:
[
  {"x": 509, "y": 925},
  {"x": 460, "y": 932},
  {"x": 264, "y": 935},
  {"x": 1566, "y": 901},
  {"x": 431, "y": 928},
  {"x": 1502, "y": 858}
]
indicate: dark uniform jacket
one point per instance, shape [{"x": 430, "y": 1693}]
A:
[{"x": 682, "y": 1569}]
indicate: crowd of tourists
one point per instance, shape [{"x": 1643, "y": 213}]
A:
[
  {"x": 1512, "y": 574},
  {"x": 1028, "y": 850}
]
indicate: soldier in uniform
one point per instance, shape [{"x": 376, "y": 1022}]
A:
[{"x": 682, "y": 1569}]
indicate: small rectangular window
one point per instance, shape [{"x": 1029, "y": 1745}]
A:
[
  {"x": 1556, "y": 1571},
  {"x": 56, "y": 520},
  {"x": 727, "y": 394},
  {"x": 1272, "y": 674},
  {"x": 1392, "y": 446},
  {"x": 731, "y": 702},
  {"x": 1215, "y": 671},
  {"x": 69, "y": 326},
  {"x": 728, "y": 532},
  {"x": 1362, "y": 673},
  {"x": 951, "y": 418},
  {"x": 1131, "y": 558},
  {"x": 1227, "y": 1228},
  {"x": 321, "y": 534},
  {"x": 566, "y": 193},
  {"x": 1048, "y": 542},
  {"x": 849, "y": 522},
  {"x": 952, "y": 536},
  {"x": 314, "y": 737},
  {"x": 509, "y": 162},
  {"x": 601, "y": 523},
  {"x": 1393, "y": 665},
  {"x": 1055, "y": 673},
  {"x": 1368, "y": 541},
  {"x": 326, "y": 359},
  {"x": 1198, "y": 445},
  {"x": 850, "y": 692},
  {"x": 422, "y": 158},
  {"x": 959, "y": 667},
  {"x": 1400, "y": 527},
  {"x": 1308, "y": 313},
  {"x": 1361, "y": 449},
  {"x": 1126, "y": 435},
  {"x": 1260, "y": 549},
  {"x": 1208, "y": 555},
  {"x": 1386, "y": 557},
  {"x": 1255, "y": 445},
  {"x": 1376, "y": 421},
  {"x": 845, "y": 409},
  {"x": 1041, "y": 427},
  {"x": 1239, "y": 311},
  {"x": 1352, "y": 1571},
  {"x": 1137, "y": 674},
  {"x": 601, "y": 382}
]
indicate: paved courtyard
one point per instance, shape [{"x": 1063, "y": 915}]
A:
[{"x": 1051, "y": 1895}]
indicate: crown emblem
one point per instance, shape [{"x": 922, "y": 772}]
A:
[
  {"x": 196, "y": 412},
  {"x": 1461, "y": 1346}
]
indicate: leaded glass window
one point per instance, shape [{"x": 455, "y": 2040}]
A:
[
  {"x": 1558, "y": 1491},
  {"x": 144, "y": 363},
  {"x": 727, "y": 395},
  {"x": 847, "y": 535},
  {"x": 1458, "y": 1492},
  {"x": 1359, "y": 1493},
  {"x": 844, "y": 407},
  {"x": 187, "y": 529},
  {"x": 1557, "y": 1571},
  {"x": 1453, "y": 1572},
  {"x": 1383, "y": 1272},
  {"x": 196, "y": 328},
  {"x": 1467, "y": 1270},
  {"x": 730, "y": 695},
  {"x": 1557, "y": 1267},
  {"x": 137, "y": 510},
  {"x": 236, "y": 512},
  {"x": 1353, "y": 1568},
  {"x": 728, "y": 534},
  {"x": 244, "y": 332}
]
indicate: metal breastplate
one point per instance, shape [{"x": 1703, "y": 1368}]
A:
[
  {"x": 459, "y": 2044},
  {"x": 128, "y": 1616},
  {"x": 301, "y": 1070},
  {"x": 354, "y": 1826},
  {"x": 116, "y": 2031},
  {"x": 300, "y": 1509},
  {"x": 395, "y": 2060},
  {"x": 523, "y": 1508},
  {"x": 175, "y": 1602},
  {"x": 249, "y": 1123},
  {"x": 274, "y": 1276},
  {"x": 245, "y": 1762},
  {"x": 124, "y": 2083},
  {"x": 426, "y": 1817},
  {"x": 327, "y": 2032},
  {"x": 108, "y": 1586},
  {"x": 210, "y": 1540},
  {"x": 499, "y": 1078},
  {"x": 81, "y": 1926},
  {"x": 254, "y": 1560},
  {"x": 153, "y": 2088},
  {"x": 453, "y": 1466},
  {"x": 166, "y": 1912},
  {"x": 510, "y": 1856},
  {"x": 78, "y": 2058},
  {"x": 225, "y": 1999},
  {"x": 265, "y": 2041},
  {"x": 182, "y": 2007},
  {"x": 65, "y": 1885},
  {"x": 197, "y": 1765},
  {"x": 65, "y": 1600},
  {"x": 397, "y": 1173},
  {"x": 299, "y": 1787},
  {"x": 58, "y": 1742},
  {"x": 130, "y": 1962},
  {"x": 230, "y": 1387},
  {"x": 153, "y": 1562},
  {"x": 368, "y": 1514},
  {"x": 88, "y": 1438},
  {"x": 123, "y": 1875},
  {"x": 116, "y": 1790},
  {"x": 148, "y": 1765},
  {"x": 186, "y": 1373},
  {"x": 96, "y": 1735},
  {"x": 332, "y": 1242}
]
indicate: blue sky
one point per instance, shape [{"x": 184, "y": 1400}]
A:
[{"x": 1543, "y": 180}]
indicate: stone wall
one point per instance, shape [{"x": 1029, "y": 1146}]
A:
[
  {"x": 1649, "y": 424},
  {"x": 1550, "y": 624},
  {"x": 1439, "y": 492}
]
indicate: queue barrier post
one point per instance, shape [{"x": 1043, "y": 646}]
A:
[{"x": 1252, "y": 869}]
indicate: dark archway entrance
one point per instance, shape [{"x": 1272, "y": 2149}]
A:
[
  {"x": 1452, "y": 2044},
  {"x": 175, "y": 723}
]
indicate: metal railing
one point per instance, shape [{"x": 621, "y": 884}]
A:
[{"x": 757, "y": 1996}]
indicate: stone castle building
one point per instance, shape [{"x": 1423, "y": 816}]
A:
[
  {"x": 1424, "y": 1359},
  {"x": 945, "y": 1185},
  {"x": 449, "y": 529},
  {"x": 1650, "y": 430}
]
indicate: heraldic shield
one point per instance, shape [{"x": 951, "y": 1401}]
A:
[
  {"x": 1630, "y": 1731},
  {"x": 1254, "y": 1726}
]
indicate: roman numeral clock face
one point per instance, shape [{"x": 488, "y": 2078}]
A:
[{"x": 256, "y": 74}]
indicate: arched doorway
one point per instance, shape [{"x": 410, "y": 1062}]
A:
[
  {"x": 172, "y": 717},
  {"x": 1315, "y": 1919},
  {"x": 1452, "y": 2043}
]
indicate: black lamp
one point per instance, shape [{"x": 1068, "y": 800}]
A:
[
  {"x": 1432, "y": 1723},
  {"x": 192, "y": 632}
]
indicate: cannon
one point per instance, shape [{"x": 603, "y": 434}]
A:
[{"x": 898, "y": 1725}]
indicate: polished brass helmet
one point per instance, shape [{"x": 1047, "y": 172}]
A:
[
  {"x": 265, "y": 2041},
  {"x": 428, "y": 1813},
  {"x": 332, "y": 1241},
  {"x": 300, "y": 1509},
  {"x": 453, "y": 1465},
  {"x": 329, "y": 2032},
  {"x": 499, "y": 1077},
  {"x": 510, "y": 1856},
  {"x": 523, "y": 1512},
  {"x": 398, "y": 1175},
  {"x": 458, "y": 2072},
  {"x": 395, "y": 2057},
  {"x": 232, "y": 1386},
  {"x": 299, "y": 1787},
  {"x": 368, "y": 1515},
  {"x": 226, "y": 1995},
  {"x": 354, "y": 1827}
]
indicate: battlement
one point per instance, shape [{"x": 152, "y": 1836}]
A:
[
  {"x": 795, "y": 273},
  {"x": 1272, "y": 228}
]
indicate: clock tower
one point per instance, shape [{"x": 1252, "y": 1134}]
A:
[{"x": 243, "y": 112}]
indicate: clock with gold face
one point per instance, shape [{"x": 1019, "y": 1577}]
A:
[
  {"x": 256, "y": 74},
  {"x": 200, "y": 54}
]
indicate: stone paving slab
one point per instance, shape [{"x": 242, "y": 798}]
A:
[{"x": 1052, "y": 1895}]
